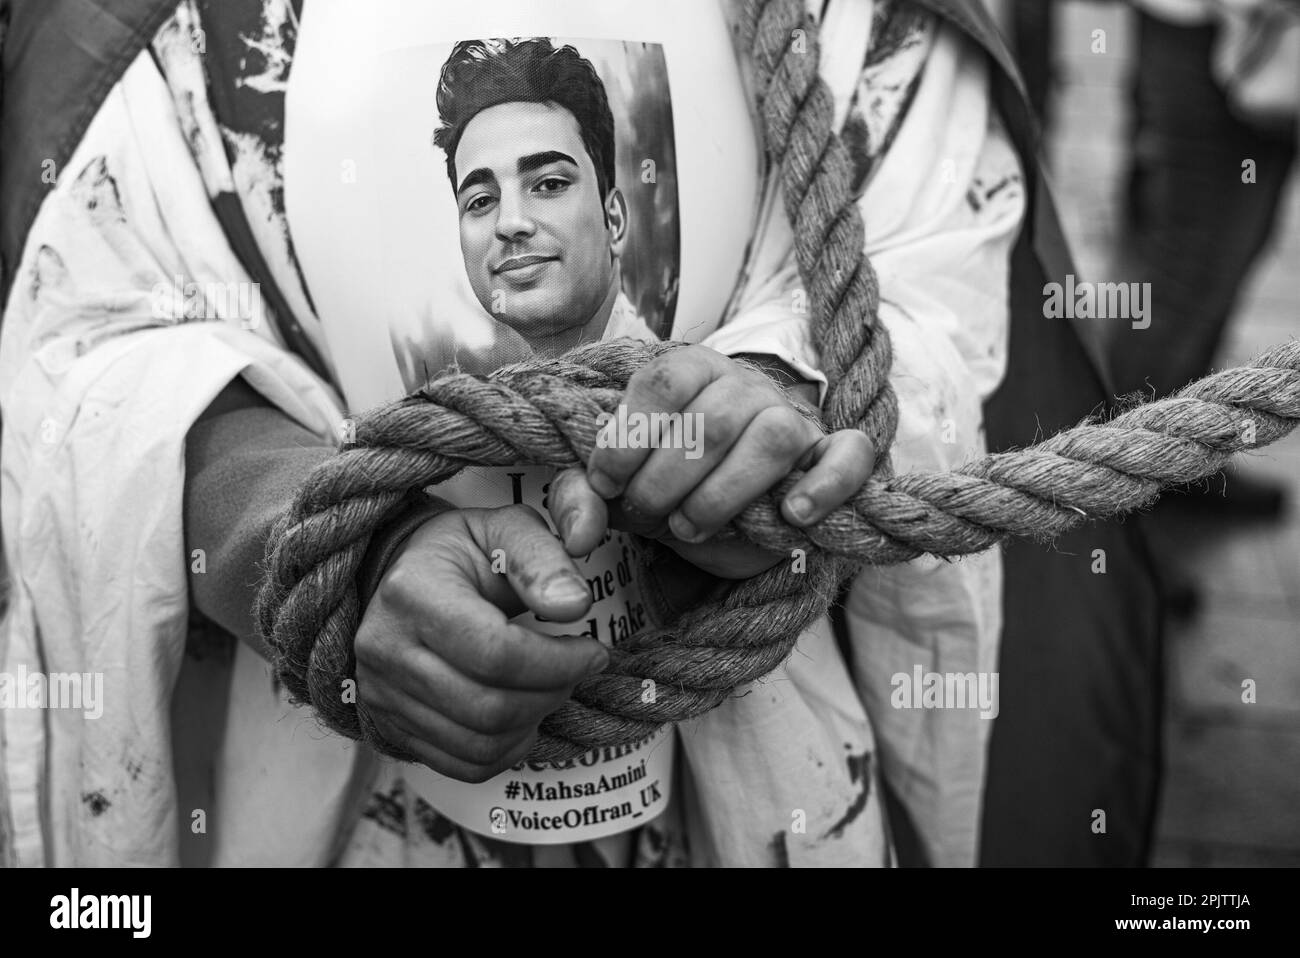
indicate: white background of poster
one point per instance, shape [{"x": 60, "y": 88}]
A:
[{"x": 361, "y": 103}]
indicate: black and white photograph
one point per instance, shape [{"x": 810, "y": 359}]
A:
[{"x": 590, "y": 434}]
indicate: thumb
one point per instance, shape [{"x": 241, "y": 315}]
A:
[
  {"x": 538, "y": 570},
  {"x": 577, "y": 511}
]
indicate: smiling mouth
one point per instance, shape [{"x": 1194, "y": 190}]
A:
[{"x": 521, "y": 262}]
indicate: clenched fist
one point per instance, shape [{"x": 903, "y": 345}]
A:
[
  {"x": 441, "y": 668},
  {"x": 751, "y": 436}
]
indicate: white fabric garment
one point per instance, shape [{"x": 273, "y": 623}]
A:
[
  {"x": 942, "y": 211},
  {"x": 100, "y": 386},
  {"x": 81, "y": 338},
  {"x": 943, "y": 262}
]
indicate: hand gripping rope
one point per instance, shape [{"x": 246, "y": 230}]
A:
[{"x": 545, "y": 412}]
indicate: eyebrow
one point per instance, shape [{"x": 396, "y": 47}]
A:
[
  {"x": 535, "y": 161},
  {"x": 525, "y": 164},
  {"x": 475, "y": 177}
]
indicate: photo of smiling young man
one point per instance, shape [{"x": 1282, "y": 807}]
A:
[{"x": 529, "y": 140}]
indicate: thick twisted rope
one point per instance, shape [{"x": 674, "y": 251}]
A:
[
  {"x": 545, "y": 412},
  {"x": 308, "y": 607}
]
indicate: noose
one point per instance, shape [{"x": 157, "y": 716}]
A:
[{"x": 544, "y": 412}]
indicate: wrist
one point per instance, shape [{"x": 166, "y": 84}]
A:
[
  {"x": 790, "y": 381},
  {"x": 388, "y": 540}
]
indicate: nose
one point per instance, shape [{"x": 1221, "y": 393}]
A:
[{"x": 513, "y": 222}]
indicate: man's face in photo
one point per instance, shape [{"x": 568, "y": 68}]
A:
[{"x": 534, "y": 231}]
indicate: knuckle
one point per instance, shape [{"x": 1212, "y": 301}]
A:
[
  {"x": 852, "y": 463},
  {"x": 368, "y": 652},
  {"x": 365, "y": 700},
  {"x": 660, "y": 379},
  {"x": 496, "y": 712},
  {"x": 780, "y": 430},
  {"x": 725, "y": 419},
  {"x": 644, "y": 499},
  {"x": 536, "y": 558},
  {"x": 377, "y": 651},
  {"x": 755, "y": 379},
  {"x": 707, "y": 509},
  {"x": 698, "y": 353},
  {"x": 492, "y": 656},
  {"x": 396, "y": 589}
]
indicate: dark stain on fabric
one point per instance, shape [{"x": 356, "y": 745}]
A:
[
  {"x": 476, "y": 850},
  {"x": 780, "y": 852},
  {"x": 436, "y": 828},
  {"x": 96, "y": 802},
  {"x": 134, "y": 769},
  {"x": 859, "y": 772},
  {"x": 467, "y": 848},
  {"x": 504, "y": 854},
  {"x": 388, "y": 811},
  {"x": 97, "y": 191},
  {"x": 653, "y": 847},
  {"x": 48, "y": 271}
]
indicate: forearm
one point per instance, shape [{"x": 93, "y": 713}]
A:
[{"x": 244, "y": 460}]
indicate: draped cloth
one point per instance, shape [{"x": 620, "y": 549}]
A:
[{"x": 101, "y": 379}]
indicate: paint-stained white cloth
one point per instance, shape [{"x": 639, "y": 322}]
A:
[{"x": 99, "y": 385}]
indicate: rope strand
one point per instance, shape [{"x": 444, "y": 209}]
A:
[{"x": 545, "y": 412}]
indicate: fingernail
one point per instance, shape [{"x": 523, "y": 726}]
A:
[
  {"x": 800, "y": 507},
  {"x": 567, "y": 519},
  {"x": 605, "y": 486},
  {"x": 683, "y": 528},
  {"x": 564, "y": 588}
]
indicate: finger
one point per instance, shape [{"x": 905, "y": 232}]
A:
[
  {"x": 696, "y": 442},
  {"x": 476, "y": 640},
  {"x": 456, "y": 740},
  {"x": 626, "y": 519},
  {"x": 577, "y": 511},
  {"x": 663, "y": 385},
  {"x": 393, "y": 670},
  {"x": 842, "y": 463},
  {"x": 391, "y": 730},
  {"x": 445, "y": 764},
  {"x": 771, "y": 444},
  {"x": 458, "y": 620},
  {"x": 538, "y": 569}
]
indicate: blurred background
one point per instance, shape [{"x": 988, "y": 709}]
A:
[{"x": 1114, "y": 102}]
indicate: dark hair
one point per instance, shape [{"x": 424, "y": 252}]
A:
[{"x": 485, "y": 73}]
